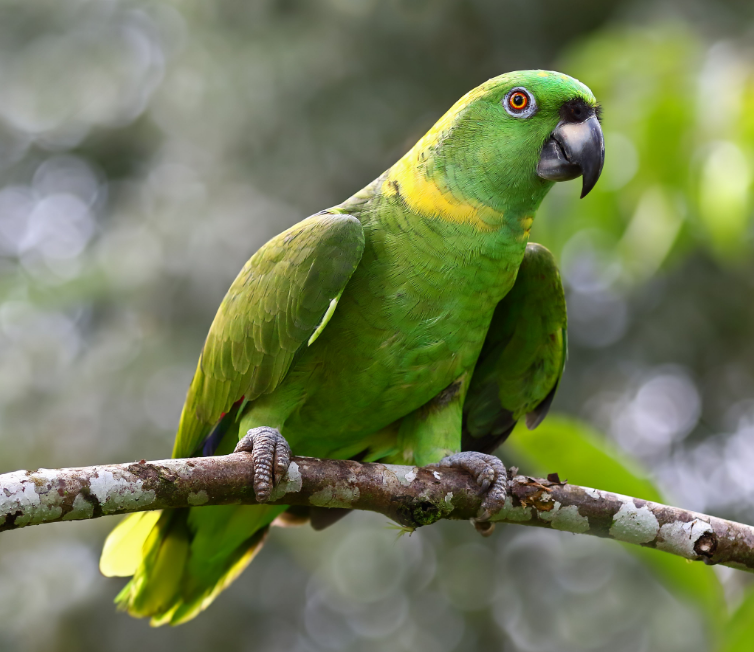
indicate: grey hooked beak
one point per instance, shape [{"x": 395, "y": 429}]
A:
[{"x": 574, "y": 149}]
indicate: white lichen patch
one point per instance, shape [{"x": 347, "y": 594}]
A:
[
  {"x": 43, "y": 479},
  {"x": 405, "y": 474},
  {"x": 680, "y": 538},
  {"x": 634, "y": 524},
  {"x": 82, "y": 509},
  {"x": 28, "y": 497},
  {"x": 119, "y": 492},
  {"x": 437, "y": 475},
  {"x": 449, "y": 499},
  {"x": 198, "y": 498},
  {"x": 290, "y": 484},
  {"x": 337, "y": 495},
  {"x": 566, "y": 519},
  {"x": 592, "y": 493},
  {"x": 511, "y": 513}
]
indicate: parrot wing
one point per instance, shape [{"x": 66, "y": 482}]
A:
[
  {"x": 523, "y": 356},
  {"x": 279, "y": 303}
]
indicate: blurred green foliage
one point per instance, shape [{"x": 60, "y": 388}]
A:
[
  {"x": 738, "y": 631},
  {"x": 679, "y": 123},
  {"x": 148, "y": 148}
]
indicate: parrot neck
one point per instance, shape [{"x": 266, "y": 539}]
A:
[
  {"x": 438, "y": 179},
  {"x": 431, "y": 198}
]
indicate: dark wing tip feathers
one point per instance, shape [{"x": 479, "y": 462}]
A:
[
  {"x": 538, "y": 414},
  {"x": 487, "y": 444}
]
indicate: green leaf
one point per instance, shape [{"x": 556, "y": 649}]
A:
[
  {"x": 739, "y": 631},
  {"x": 582, "y": 456}
]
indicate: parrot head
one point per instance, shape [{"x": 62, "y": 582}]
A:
[
  {"x": 534, "y": 126},
  {"x": 545, "y": 122},
  {"x": 521, "y": 130},
  {"x": 575, "y": 147},
  {"x": 500, "y": 148}
]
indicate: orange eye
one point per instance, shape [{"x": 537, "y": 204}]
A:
[{"x": 518, "y": 101}]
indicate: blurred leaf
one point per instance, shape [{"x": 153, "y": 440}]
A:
[
  {"x": 582, "y": 456},
  {"x": 724, "y": 197},
  {"x": 678, "y": 173},
  {"x": 739, "y": 631}
]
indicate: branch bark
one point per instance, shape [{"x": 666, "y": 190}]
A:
[{"x": 411, "y": 496}]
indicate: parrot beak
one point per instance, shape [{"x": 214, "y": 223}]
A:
[{"x": 574, "y": 149}]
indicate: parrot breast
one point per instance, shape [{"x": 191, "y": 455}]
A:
[{"x": 411, "y": 320}]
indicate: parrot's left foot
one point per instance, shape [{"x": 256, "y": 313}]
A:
[
  {"x": 490, "y": 474},
  {"x": 270, "y": 454}
]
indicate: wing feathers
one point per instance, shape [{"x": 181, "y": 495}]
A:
[
  {"x": 271, "y": 310},
  {"x": 523, "y": 356}
]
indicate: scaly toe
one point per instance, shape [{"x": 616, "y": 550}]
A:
[
  {"x": 270, "y": 456},
  {"x": 282, "y": 458}
]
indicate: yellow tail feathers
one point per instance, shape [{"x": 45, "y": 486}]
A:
[
  {"x": 122, "y": 552},
  {"x": 182, "y": 559}
]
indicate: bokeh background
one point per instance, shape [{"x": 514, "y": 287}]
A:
[{"x": 148, "y": 148}]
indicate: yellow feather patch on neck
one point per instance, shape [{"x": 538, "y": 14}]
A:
[
  {"x": 424, "y": 196},
  {"x": 409, "y": 179}
]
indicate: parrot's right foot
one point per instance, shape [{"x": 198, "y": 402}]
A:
[
  {"x": 270, "y": 454},
  {"x": 489, "y": 473}
]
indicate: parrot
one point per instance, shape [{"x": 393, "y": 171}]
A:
[{"x": 411, "y": 324}]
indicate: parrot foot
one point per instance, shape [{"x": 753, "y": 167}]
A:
[
  {"x": 270, "y": 454},
  {"x": 490, "y": 474}
]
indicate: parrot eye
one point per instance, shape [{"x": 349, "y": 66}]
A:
[{"x": 519, "y": 103}]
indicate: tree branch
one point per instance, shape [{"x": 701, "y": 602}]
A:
[{"x": 408, "y": 495}]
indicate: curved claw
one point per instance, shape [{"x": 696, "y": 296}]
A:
[
  {"x": 490, "y": 474},
  {"x": 270, "y": 454},
  {"x": 485, "y": 528}
]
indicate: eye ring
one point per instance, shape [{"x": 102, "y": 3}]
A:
[{"x": 519, "y": 103}]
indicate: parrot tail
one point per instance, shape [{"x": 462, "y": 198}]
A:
[{"x": 182, "y": 559}]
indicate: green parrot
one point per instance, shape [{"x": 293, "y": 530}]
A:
[{"x": 411, "y": 324}]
